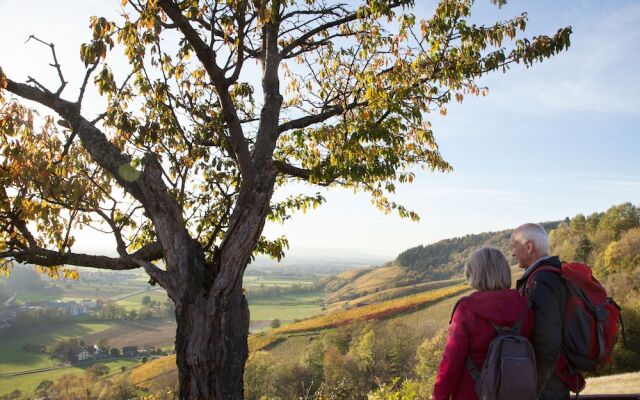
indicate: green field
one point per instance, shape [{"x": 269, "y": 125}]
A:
[
  {"x": 27, "y": 383},
  {"x": 135, "y": 302},
  {"x": 286, "y": 307},
  {"x": 283, "y": 313},
  {"x": 13, "y": 358},
  {"x": 256, "y": 281}
]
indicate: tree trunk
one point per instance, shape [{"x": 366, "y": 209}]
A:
[{"x": 211, "y": 344}]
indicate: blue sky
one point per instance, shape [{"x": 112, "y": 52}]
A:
[{"x": 551, "y": 141}]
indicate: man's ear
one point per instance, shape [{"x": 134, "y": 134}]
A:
[{"x": 529, "y": 246}]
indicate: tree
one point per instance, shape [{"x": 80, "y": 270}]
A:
[
  {"x": 103, "y": 343},
  {"x": 583, "y": 251},
  {"x": 43, "y": 387},
  {"x": 185, "y": 158},
  {"x": 146, "y": 300},
  {"x": 97, "y": 370}
]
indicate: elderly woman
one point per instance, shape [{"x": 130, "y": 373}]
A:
[{"x": 471, "y": 331}]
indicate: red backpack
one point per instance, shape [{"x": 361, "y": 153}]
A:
[{"x": 591, "y": 318}]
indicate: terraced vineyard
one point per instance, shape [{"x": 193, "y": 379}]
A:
[{"x": 377, "y": 311}]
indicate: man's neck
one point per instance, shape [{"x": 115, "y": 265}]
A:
[{"x": 537, "y": 257}]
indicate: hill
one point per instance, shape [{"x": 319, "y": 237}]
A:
[{"x": 415, "y": 269}]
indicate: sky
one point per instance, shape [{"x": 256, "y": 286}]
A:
[{"x": 548, "y": 142}]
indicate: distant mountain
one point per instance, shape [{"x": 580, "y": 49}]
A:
[{"x": 316, "y": 261}]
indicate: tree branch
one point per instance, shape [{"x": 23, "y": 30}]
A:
[
  {"x": 49, "y": 258},
  {"x": 317, "y": 118},
  {"x": 207, "y": 56},
  {"x": 55, "y": 64}
]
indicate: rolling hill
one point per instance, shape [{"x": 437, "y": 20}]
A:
[{"x": 414, "y": 270}]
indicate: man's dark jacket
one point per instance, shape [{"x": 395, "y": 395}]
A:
[{"x": 547, "y": 296}]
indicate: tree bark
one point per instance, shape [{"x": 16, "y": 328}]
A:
[{"x": 211, "y": 344}]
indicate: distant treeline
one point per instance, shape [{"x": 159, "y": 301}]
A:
[
  {"x": 446, "y": 258},
  {"x": 105, "y": 311}
]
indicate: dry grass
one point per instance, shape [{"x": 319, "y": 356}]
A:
[
  {"x": 262, "y": 341},
  {"x": 394, "y": 293},
  {"x": 375, "y": 279},
  {"x": 144, "y": 375},
  {"x": 614, "y": 384}
]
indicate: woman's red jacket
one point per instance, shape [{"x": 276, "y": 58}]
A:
[{"x": 471, "y": 332}]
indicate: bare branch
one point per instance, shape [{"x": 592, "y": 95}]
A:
[
  {"x": 55, "y": 64},
  {"x": 86, "y": 80}
]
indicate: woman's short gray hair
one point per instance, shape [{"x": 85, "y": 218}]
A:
[
  {"x": 488, "y": 269},
  {"x": 534, "y": 233}
]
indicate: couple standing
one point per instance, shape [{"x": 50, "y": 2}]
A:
[{"x": 538, "y": 303}]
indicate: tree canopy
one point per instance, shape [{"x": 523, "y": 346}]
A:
[
  {"x": 182, "y": 163},
  {"x": 358, "y": 84}
]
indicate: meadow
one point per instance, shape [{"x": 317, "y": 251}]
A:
[
  {"x": 28, "y": 382},
  {"x": 14, "y": 358}
]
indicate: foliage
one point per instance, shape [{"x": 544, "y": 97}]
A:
[
  {"x": 259, "y": 375},
  {"x": 275, "y": 323},
  {"x": 397, "y": 390},
  {"x": 429, "y": 357},
  {"x": 65, "y": 350},
  {"x": 626, "y": 357}
]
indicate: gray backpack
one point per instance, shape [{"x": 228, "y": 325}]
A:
[{"x": 509, "y": 370}]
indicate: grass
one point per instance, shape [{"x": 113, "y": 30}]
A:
[
  {"x": 151, "y": 370},
  {"x": 283, "y": 312},
  {"x": 28, "y": 383},
  {"x": 13, "y": 358},
  {"x": 373, "y": 311},
  {"x": 135, "y": 302},
  {"x": 366, "y": 282},
  {"x": 614, "y": 384},
  {"x": 292, "y": 350}
]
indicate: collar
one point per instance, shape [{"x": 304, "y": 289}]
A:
[{"x": 553, "y": 260}]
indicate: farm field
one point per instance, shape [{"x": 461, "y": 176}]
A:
[
  {"x": 284, "y": 313},
  {"x": 275, "y": 281},
  {"x": 27, "y": 383},
  {"x": 134, "y": 302},
  {"x": 13, "y": 358},
  {"x": 153, "y": 332}
]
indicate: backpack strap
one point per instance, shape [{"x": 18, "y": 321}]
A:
[
  {"x": 624, "y": 336},
  {"x": 455, "y": 308},
  {"x": 518, "y": 325},
  {"x": 508, "y": 329},
  {"x": 537, "y": 270},
  {"x": 473, "y": 370}
]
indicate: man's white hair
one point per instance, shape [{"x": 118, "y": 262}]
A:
[{"x": 534, "y": 233}]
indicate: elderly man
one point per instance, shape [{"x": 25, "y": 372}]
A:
[{"x": 547, "y": 296}]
